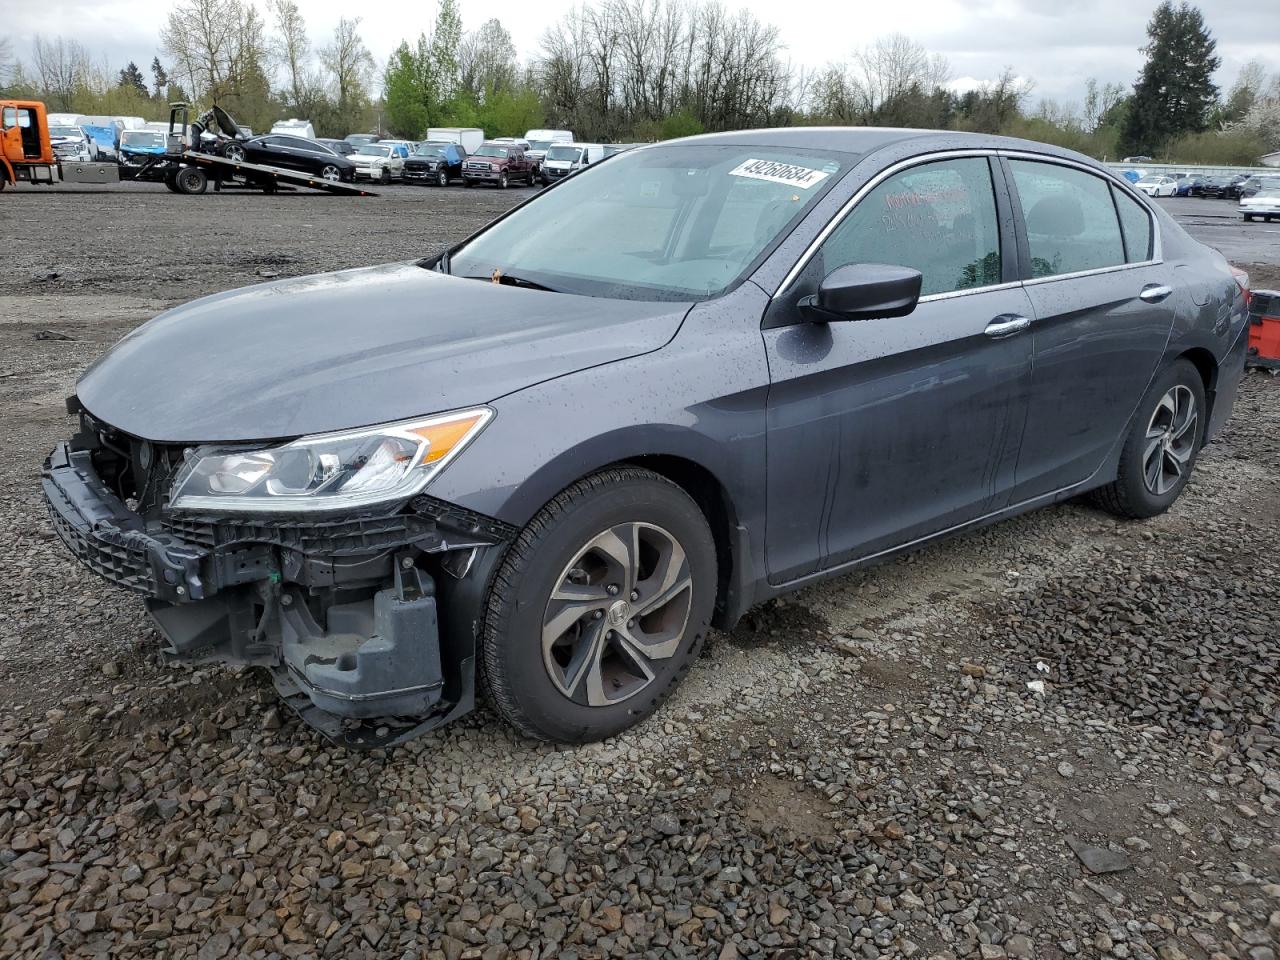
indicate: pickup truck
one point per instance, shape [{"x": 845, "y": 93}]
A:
[{"x": 499, "y": 164}]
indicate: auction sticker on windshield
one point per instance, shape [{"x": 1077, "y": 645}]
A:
[{"x": 776, "y": 171}]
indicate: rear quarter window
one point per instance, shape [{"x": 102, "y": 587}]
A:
[
  {"x": 1070, "y": 219},
  {"x": 1135, "y": 225}
]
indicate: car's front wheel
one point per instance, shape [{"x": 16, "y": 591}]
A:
[
  {"x": 599, "y": 608},
  {"x": 1161, "y": 449},
  {"x": 442, "y": 178},
  {"x": 331, "y": 173},
  {"x": 385, "y": 177}
]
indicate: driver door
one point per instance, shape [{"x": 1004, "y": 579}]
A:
[{"x": 886, "y": 431}]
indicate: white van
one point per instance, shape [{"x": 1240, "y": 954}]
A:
[
  {"x": 295, "y": 128},
  {"x": 563, "y": 159},
  {"x": 539, "y": 140},
  {"x": 468, "y": 138}
]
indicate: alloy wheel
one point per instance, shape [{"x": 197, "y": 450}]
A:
[
  {"x": 330, "y": 172},
  {"x": 1170, "y": 440},
  {"x": 620, "y": 604},
  {"x": 235, "y": 153}
]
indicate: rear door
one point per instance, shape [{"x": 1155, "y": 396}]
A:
[
  {"x": 1103, "y": 310},
  {"x": 881, "y": 432}
]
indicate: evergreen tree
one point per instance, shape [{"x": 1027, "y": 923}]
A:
[
  {"x": 160, "y": 78},
  {"x": 1175, "y": 91},
  {"x": 131, "y": 78}
]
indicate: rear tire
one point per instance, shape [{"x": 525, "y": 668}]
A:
[
  {"x": 564, "y": 655},
  {"x": 1161, "y": 449},
  {"x": 190, "y": 180},
  {"x": 1248, "y": 218}
]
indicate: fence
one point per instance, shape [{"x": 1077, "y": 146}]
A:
[{"x": 1207, "y": 171}]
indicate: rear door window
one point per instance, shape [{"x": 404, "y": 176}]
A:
[
  {"x": 1070, "y": 219},
  {"x": 939, "y": 218},
  {"x": 1135, "y": 224}
]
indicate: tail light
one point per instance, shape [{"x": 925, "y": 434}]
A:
[{"x": 1242, "y": 281}]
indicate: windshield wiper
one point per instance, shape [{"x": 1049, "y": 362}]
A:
[{"x": 513, "y": 281}]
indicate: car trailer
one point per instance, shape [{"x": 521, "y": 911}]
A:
[
  {"x": 192, "y": 172},
  {"x": 188, "y": 168},
  {"x": 26, "y": 154}
]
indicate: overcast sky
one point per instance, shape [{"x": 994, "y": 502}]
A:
[{"x": 1055, "y": 43}]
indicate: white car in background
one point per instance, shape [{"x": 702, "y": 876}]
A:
[
  {"x": 1156, "y": 185},
  {"x": 1264, "y": 204},
  {"x": 379, "y": 161}
]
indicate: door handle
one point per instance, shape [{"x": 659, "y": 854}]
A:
[
  {"x": 1155, "y": 292},
  {"x": 1006, "y": 325}
]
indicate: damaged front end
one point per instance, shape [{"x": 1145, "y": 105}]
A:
[{"x": 366, "y": 616}]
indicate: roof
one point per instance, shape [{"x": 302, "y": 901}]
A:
[{"x": 865, "y": 140}]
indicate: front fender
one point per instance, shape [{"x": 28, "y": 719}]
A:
[{"x": 700, "y": 398}]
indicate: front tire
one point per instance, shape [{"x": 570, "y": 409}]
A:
[
  {"x": 503, "y": 181},
  {"x": 385, "y": 177},
  {"x": 599, "y": 608},
  {"x": 1161, "y": 449},
  {"x": 442, "y": 178}
]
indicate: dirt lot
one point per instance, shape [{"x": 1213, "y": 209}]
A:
[{"x": 863, "y": 770}]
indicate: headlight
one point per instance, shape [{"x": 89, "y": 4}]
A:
[
  {"x": 493, "y": 166},
  {"x": 329, "y": 471}
]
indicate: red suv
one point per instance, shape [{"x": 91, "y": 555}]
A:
[{"x": 498, "y": 163}]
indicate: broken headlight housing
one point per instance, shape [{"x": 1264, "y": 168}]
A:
[{"x": 351, "y": 468}]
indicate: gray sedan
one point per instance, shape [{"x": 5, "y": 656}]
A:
[{"x": 693, "y": 377}]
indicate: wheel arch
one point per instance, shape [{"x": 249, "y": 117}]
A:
[
  {"x": 690, "y": 460},
  {"x": 716, "y": 504},
  {"x": 1206, "y": 365}
]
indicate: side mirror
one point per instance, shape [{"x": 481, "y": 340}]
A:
[{"x": 864, "y": 291}]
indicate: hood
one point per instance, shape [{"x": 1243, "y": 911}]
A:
[{"x": 351, "y": 349}]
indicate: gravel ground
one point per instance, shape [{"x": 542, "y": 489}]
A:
[{"x": 1059, "y": 737}]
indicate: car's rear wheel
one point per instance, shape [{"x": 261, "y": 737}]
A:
[
  {"x": 1161, "y": 449},
  {"x": 191, "y": 180},
  {"x": 1248, "y": 218},
  {"x": 599, "y": 607}
]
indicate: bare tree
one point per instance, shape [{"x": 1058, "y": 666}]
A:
[
  {"x": 292, "y": 49},
  {"x": 6, "y": 60},
  {"x": 891, "y": 68},
  {"x": 487, "y": 61},
  {"x": 350, "y": 66},
  {"x": 61, "y": 67}
]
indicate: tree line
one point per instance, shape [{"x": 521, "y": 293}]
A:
[{"x": 623, "y": 70}]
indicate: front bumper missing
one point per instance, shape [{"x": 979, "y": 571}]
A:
[{"x": 342, "y": 610}]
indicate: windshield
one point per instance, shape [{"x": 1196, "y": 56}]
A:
[
  {"x": 664, "y": 223},
  {"x": 430, "y": 151},
  {"x": 489, "y": 150},
  {"x": 65, "y": 132},
  {"x": 373, "y": 150},
  {"x": 564, "y": 153},
  {"x": 142, "y": 138}
]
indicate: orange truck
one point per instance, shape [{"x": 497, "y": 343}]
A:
[{"x": 26, "y": 153}]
